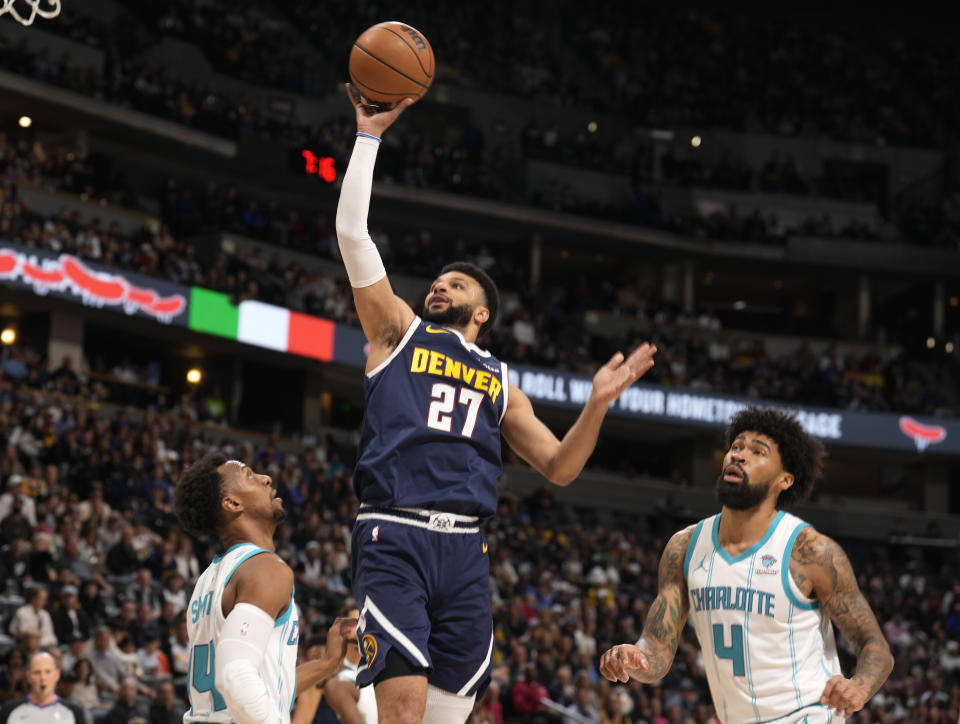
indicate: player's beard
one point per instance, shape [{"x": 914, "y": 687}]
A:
[
  {"x": 279, "y": 515},
  {"x": 742, "y": 495},
  {"x": 452, "y": 316}
]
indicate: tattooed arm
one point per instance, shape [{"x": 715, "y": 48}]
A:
[
  {"x": 650, "y": 659},
  {"x": 823, "y": 571}
]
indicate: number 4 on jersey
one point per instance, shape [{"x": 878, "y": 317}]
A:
[
  {"x": 203, "y": 667},
  {"x": 444, "y": 399},
  {"x": 734, "y": 651}
]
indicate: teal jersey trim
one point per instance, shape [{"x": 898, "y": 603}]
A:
[
  {"x": 752, "y": 549},
  {"x": 746, "y": 627},
  {"x": 285, "y": 616},
  {"x": 716, "y": 668},
  {"x": 689, "y": 554},
  {"x": 785, "y": 571},
  {"x": 793, "y": 655},
  {"x": 217, "y": 559},
  {"x": 815, "y": 705},
  {"x": 255, "y": 552}
]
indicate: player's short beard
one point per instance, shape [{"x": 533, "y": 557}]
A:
[
  {"x": 742, "y": 495},
  {"x": 279, "y": 515},
  {"x": 452, "y": 316}
]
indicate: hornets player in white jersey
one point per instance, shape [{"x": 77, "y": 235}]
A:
[
  {"x": 761, "y": 588},
  {"x": 242, "y": 621}
]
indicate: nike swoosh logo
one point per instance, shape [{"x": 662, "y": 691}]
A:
[
  {"x": 484, "y": 547},
  {"x": 431, "y": 330}
]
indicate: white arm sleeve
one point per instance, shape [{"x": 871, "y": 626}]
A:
[
  {"x": 239, "y": 654},
  {"x": 360, "y": 255}
]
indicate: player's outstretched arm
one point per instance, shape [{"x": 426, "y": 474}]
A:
[
  {"x": 560, "y": 461},
  {"x": 311, "y": 673},
  {"x": 650, "y": 658},
  {"x": 820, "y": 560},
  {"x": 383, "y": 315}
]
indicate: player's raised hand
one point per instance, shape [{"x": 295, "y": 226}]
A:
[
  {"x": 619, "y": 373},
  {"x": 341, "y": 631},
  {"x": 844, "y": 695},
  {"x": 374, "y": 119},
  {"x": 617, "y": 663}
]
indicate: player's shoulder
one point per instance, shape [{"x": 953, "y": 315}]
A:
[
  {"x": 676, "y": 548},
  {"x": 264, "y": 563},
  {"x": 10, "y": 706},
  {"x": 811, "y": 547}
]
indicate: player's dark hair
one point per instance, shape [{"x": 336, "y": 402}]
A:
[
  {"x": 196, "y": 499},
  {"x": 489, "y": 289},
  {"x": 801, "y": 454}
]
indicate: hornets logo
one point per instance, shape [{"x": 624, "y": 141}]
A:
[{"x": 368, "y": 644}]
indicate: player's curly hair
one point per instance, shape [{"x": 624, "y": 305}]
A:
[
  {"x": 486, "y": 283},
  {"x": 196, "y": 499},
  {"x": 801, "y": 454}
]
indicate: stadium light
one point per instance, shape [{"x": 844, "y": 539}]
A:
[
  {"x": 696, "y": 141},
  {"x": 592, "y": 127},
  {"x": 194, "y": 375},
  {"x": 25, "y": 121},
  {"x": 739, "y": 305},
  {"x": 8, "y": 336},
  {"x": 949, "y": 347},
  {"x": 931, "y": 343}
]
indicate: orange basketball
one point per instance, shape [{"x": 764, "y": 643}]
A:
[{"x": 390, "y": 62}]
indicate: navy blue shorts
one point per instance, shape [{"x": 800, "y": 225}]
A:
[{"x": 422, "y": 585}]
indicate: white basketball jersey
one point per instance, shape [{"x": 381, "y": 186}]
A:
[
  {"x": 367, "y": 703},
  {"x": 204, "y": 622},
  {"x": 768, "y": 650}
]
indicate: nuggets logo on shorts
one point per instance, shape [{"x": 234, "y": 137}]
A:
[{"x": 368, "y": 644}]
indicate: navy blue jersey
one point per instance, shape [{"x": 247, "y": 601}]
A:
[{"x": 431, "y": 430}]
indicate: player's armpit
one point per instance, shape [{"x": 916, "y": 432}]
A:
[
  {"x": 667, "y": 616},
  {"x": 384, "y": 317},
  {"x": 263, "y": 581},
  {"x": 824, "y": 563}
]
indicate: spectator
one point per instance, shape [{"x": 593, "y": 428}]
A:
[
  {"x": 128, "y": 705},
  {"x": 153, "y": 661},
  {"x": 69, "y": 620},
  {"x": 13, "y": 682},
  {"x": 76, "y": 650},
  {"x": 86, "y": 689},
  {"x": 106, "y": 665},
  {"x": 16, "y": 524},
  {"x": 166, "y": 709},
  {"x": 33, "y": 616},
  {"x": 15, "y": 492}
]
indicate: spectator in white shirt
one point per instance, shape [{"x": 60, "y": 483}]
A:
[{"x": 33, "y": 616}]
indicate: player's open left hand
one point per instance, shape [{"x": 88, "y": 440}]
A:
[
  {"x": 619, "y": 373},
  {"x": 375, "y": 119},
  {"x": 617, "y": 663},
  {"x": 844, "y": 695}
]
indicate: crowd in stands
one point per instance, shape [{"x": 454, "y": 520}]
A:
[
  {"x": 459, "y": 158},
  {"x": 97, "y": 572},
  {"x": 549, "y": 328}
]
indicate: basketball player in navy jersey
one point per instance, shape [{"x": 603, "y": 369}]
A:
[
  {"x": 428, "y": 463},
  {"x": 761, "y": 588}
]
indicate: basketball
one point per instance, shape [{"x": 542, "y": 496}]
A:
[{"x": 391, "y": 61}]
